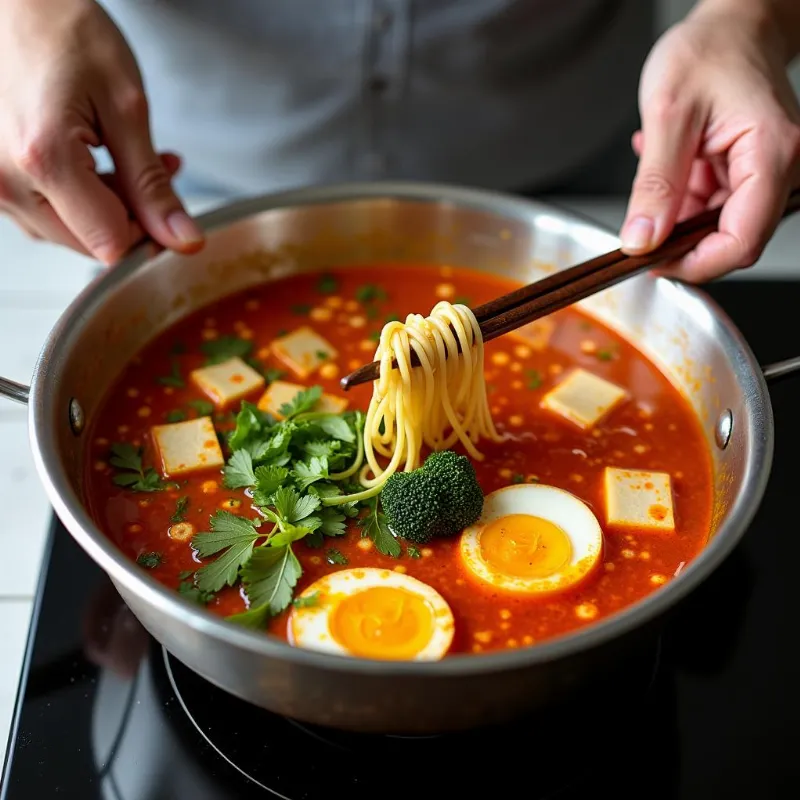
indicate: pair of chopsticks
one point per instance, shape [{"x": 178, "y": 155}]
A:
[{"x": 562, "y": 289}]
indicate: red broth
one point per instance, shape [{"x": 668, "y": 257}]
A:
[{"x": 655, "y": 430}]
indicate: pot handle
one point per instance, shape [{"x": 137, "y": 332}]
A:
[
  {"x": 14, "y": 391},
  {"x": 774, "y": 372}
]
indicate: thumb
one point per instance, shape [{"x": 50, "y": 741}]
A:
[
  {"x": 146, "y": 181},
  {"x": 668, "y": 146}
]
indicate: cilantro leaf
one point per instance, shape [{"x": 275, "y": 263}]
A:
[
  {"x": 534, "y": 378},
  {"x": 272, "y": 375},
  {"x": 225, "y": 348},
  {"x": 185, "y": 573},
  {"x": 413, "y": 552},
  {"x": 191, "y": 592},
  {"x": 293, "y": 507},
  {"x": 174, "y": 378},
  {"x": 334, "y": 556},
  {"x": 311, "y": 471},
  {"x": 336, "y": 427},
  {"x": 251, "y": 427},
  {"x": 126, "y": 457},
  {"x": 236, "y": 536},
  {"x": 327, "y": 284},
  {"x": 293, "y": 533},
  {"x": 204, "y": 408},
  {"x": 176, "y": 415},
  {"x": 269, "y": 578},
  {"x": 181, "y": 505},
  {"x": 268, "y": 481},
  {"x": 274, "y": 449},
  {"x": 238, "y": 473},
  {"x": 333, "y": 522},
  {"x": 149, "y": 560},
  {"x": 374, "y": 526},
  {"x": 301, "y": 402},
  {"x": 321, "y": 447},
  {"x": 307, "y": 601}
]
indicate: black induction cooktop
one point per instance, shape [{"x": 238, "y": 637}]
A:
[{"x": 710, "y": 710}]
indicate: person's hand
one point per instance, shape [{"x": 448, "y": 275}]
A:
[
  {"x": 719, "y": 126},
  {"x": 69, "y": 82}
]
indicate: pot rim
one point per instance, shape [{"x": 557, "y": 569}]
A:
[{"x": 124, "y": 572}]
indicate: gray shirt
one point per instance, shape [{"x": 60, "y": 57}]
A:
[{"x": 266, "y": 94}]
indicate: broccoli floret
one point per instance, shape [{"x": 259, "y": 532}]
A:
[{"x": 440, "y": 498}]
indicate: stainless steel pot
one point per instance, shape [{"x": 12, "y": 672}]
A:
[{"x": 264, "y": 239}]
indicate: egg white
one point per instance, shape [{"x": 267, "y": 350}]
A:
[
  {"x": 309, "y": 626},
  {"x": 559, "y": 507}
]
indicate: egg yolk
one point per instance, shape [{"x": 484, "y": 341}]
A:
[
  {"x": 382, "y": 622},
  {"x": 524, "y": 546}
]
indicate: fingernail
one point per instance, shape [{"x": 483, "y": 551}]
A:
[
  {"x": 183, "y": 228},
  {"x": 637, "y": 233}
]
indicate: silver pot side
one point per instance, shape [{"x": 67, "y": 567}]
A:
[{"x": 267, "y": 238}]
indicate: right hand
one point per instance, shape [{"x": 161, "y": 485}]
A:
[{"x": 68, "y": 82}]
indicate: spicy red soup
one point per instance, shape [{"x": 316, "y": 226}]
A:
[{"x": 654, "y": 510}]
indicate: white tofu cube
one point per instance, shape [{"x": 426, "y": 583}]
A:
[
  {"x": 637, "y": 499},
  {"x": 280, "y": 392},
  {"x": 536, "y": 334},
  {"x": 584, "y": 398},
  {"x": 303, "y": 351},
  {"x": 187, "y": 446},
  {"x": 227, "y": 382}
]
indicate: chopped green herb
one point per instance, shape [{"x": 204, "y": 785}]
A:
[
  {"x": 309, "y": 601},
  {"x": 184, "y": 574},
  {"x": 181, "y": 505},
  {"x": 149, "y": 560},
  {"x": 605, "y": 355},
  {"x": 226, "y": 347},
  {"x": 370, "y": 293},
  {"x": 237, "y": 537},
  {"x": 533, "y": 378},
  {"x": 176, "y": 415},
  {"x": 413, "y": 551},
  {"x": 392, "y": 318},
  {"x": 126, "y": 457},
  {"x": 462, "y": 301},
  {"x": 517, "y": 478},
  {"x": 204, "y": 408},
  {"x": 300, "y": 309},
  {"x": 174, "y": 378},
  {"x": 272, "y": 375},
  {"x": 334, "y": 556},
  {"x": 375, "y": 336},
  {"x": 374, "y": 526},
  {"x": 322, "y": 355},
  {"x": 190, "y": 591},
  {"x": 371, "y": 312},
  {"x": 327, "y": 284}
]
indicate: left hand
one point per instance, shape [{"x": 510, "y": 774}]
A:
[{"x": 720, "y": 126}]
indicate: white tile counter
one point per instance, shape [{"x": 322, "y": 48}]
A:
[{"x": 37, "y": 281}]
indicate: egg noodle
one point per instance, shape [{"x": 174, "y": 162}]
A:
[{"x": 438, "y": 403}]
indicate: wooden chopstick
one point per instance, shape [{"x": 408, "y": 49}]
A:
[{"x": 562, "y": 289}]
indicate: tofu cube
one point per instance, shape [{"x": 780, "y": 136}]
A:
[
  {"x": 637, "y": 499},
  {"x": 227, "y": 382},
  {"x": 536, "y": 334},
  {"x": 584, "y": 398},
  {"x": 187, "y": 446},
  {"x": 280, "y": 392},
  {"x": 303, "y": 351}
]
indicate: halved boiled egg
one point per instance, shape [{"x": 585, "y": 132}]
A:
[
  {"x": 372, "y": 613},
  {"x": 532, "y": 539}
]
